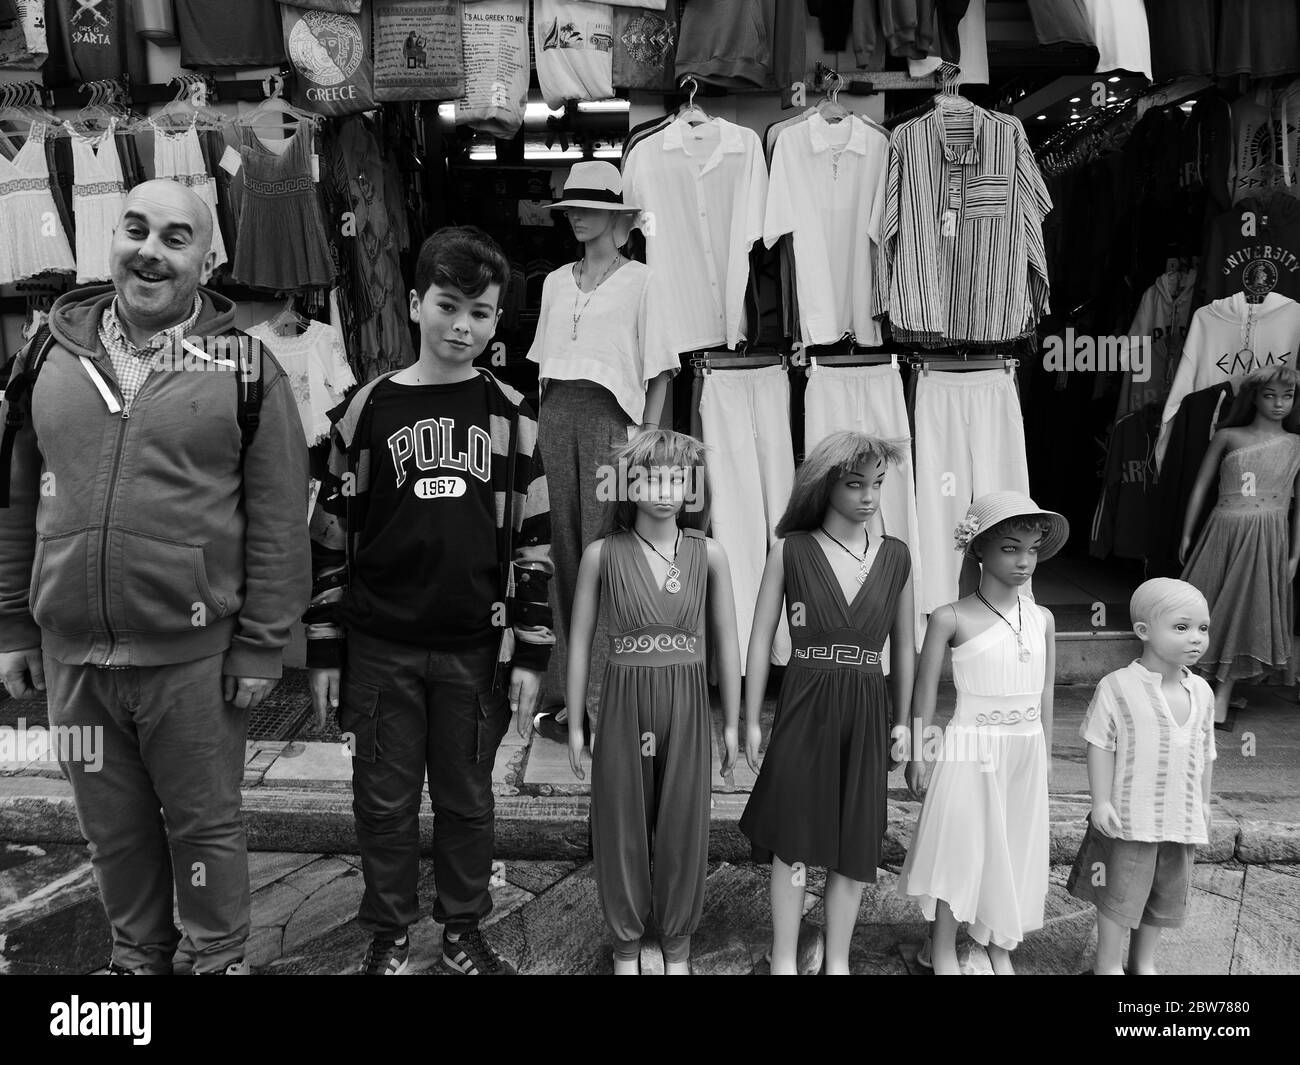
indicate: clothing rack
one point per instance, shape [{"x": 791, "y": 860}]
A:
[
  {"x": 925, "y": 363},
  {"x": 875, "y": 359},
  {"x": 226, "y": 90},
  {"x": 705, "y": 361},
  {"x": 869, "y": 83}
]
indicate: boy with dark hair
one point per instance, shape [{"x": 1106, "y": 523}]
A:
[{"x": 430, "y": 545}]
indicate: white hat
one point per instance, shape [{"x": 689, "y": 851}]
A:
[
  {"x": 995, "y": 507},
  {"x": 597, "y": 185}
]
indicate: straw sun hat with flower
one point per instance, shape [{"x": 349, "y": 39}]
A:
[{"x": 996, "y": 507}]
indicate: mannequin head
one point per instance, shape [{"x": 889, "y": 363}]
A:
[
  {"x": 842, "y": 473},
  {"x": 595, "y": 224},
  {"x": 1267, "y": 394}
]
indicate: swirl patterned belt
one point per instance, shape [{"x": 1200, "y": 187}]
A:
[
  {"x": 837, "y": 656},
  {"x": 656, "y": 645},
  {"x": 993, "y": 711}
]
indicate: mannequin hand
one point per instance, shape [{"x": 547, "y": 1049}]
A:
[
  {"x": 575, "y": 747},
  {"x": 1105, "y": 819},
  {"x": 731, "y": 744},
  {"x": 753, "y": 740},
  {"x": 918, "y": 778}
]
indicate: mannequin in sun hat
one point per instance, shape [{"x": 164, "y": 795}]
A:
[
  {"x": 604, "y": 364},
  {"x": 979, "y": 855}
]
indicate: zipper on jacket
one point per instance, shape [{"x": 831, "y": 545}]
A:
[{"x": 118, "y": 447}]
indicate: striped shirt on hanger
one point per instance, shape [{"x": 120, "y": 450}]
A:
[{"x": 962, "y": 231}]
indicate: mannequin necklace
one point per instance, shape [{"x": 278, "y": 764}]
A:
[
  {"x": 578, "y": 312},
  {"x": 1021, "y": 649},
  {"x": 863, "y": 568},
  {"x": 672, "y": 585}
]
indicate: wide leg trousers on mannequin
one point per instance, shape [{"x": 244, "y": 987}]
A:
[
  {"x": 745, "y": 421},
  {"x": 579, "y": 425},
  {"x": 869, "y": 399},
  {"x": 970, "y": 440}
]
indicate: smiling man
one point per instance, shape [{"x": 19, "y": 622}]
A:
[{"x": 152, "y": 560}]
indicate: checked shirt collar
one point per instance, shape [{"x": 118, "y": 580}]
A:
[{"x": 116, "y": 342}]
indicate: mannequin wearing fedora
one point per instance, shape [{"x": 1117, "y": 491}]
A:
[
  {"x": 980, "y": 851},
  {"x": 604, "y": 365}
]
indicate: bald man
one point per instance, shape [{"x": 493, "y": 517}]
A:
[{"x": 150, "y": 569}]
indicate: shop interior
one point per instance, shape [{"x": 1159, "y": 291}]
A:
[{"x": 1128, "y": 157}]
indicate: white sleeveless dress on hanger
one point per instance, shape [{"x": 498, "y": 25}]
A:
[
  {"x": 32, "y": 239},
  {"x": 98, "y": 192},
  {"x": 981, "y": 842},
  {"x": 179, "y": 156}
]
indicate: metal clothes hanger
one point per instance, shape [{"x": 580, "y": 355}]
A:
[{"x": 690, "y": 112}]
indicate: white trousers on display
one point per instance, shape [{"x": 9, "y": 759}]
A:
[
  {"x": 970, "y": 440},
  {"x": 869, "y": 399},
  {"x": 745, "y": 422}
]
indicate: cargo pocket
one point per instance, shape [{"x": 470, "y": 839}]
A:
[
  {"x": 986, "y": 196},
  {"x": 493, "y": 721},
  {"x": 359, "y": 718},
  {"x": 165, "y": 585}
]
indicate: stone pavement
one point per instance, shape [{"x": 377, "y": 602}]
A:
[
  {"x": 297, "y": 794},
  {"x": 1242, "y": 920}
]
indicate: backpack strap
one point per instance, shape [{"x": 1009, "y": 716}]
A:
[
  {"x": 252, "y": 367},
  {"x": 18, "y": 400}
]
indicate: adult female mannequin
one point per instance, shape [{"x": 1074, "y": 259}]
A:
[{"x": 604, "y": 366}]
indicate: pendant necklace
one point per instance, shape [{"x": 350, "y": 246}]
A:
[
  {"x": 1023, "y": 651},
  {"x": 579, "y": 312},
  {"x": 863, "y": 568},
  {"x": 672, "y": 585}
]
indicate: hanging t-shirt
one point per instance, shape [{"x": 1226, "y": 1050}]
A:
[
  {"x": 1263, "y": 154},
  {"x": 418, "y": 50},
  {"x": 100, "y": 39},
  {"x": 1061, "y": 21},
  {"x": 1254, "y": 246},
  {"x": 495, "y": 45},
  {"x": 1182, "y": 37},
  {"x": 331, "y": 53},
  {"x": 1227, "y": 340},
  {"x": 1123, "y": 38},
  {"x": 23, "y": 43},
  {"x": 645, "y": 46},
  {"x": 573, "y": 43},
  {"x": 727, "y": 43},
  {"x": 431, "y": 522},
  {"x": 1260, "y": 39},
  {"x": 232, "y": 33}
]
